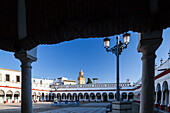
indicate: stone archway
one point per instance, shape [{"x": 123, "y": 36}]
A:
[
  {"x": 9, "y": 96},
  {"x": 124, "y": 96},
  {"x": 111, "y": 96},
  {"x": 165, "y": 93},
  {"x": 98, "y": 95},
  {"x": 80, "y": 96},
  {"x": 69, "y": 97},
  {"x": 2, "y": 95},
  {"x": 86, "y": 96},
  {"x": 59, "y": 96},
  {"x": 92, "y": 96},
  {"x": 130, "y": 96},
  {"x": 74, "y": 96},
  {"x": 104, "y": 95},
  {"x": 16, "y": 96}
]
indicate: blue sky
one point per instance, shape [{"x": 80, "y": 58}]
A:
[{"x": 68, "y": 58}]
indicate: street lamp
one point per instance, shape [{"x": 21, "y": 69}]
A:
[{"x": 117, "y": 49}]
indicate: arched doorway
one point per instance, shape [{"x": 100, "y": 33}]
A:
[
  {"x": 130, "y": 96},
  {"x": 111, "y": 96},
  {"x": 86, "y": 96},
  {"x": 98, "y": 95},
  {"x": 92, "y": 96},
  {"x": 104, "y": 97},
  {"x": 16, "y": 97},
  {"x": 74, "y": 96},
  {"x": 53, "y": 96},
  {"x": 165, "y": 93},
  {"x": 39, "y": 97},
  {"x": 124, "y": 96},
  {"x": 63, "y": 96},
  {"x": 34, "y": 96},
  {"x": 80, "y": 96},
  {"x": 2, "y": 95},
  {"x": 58, "y": 96},
  {"x": 9, "y": 96},
  {"x": 69, "y": 96}
]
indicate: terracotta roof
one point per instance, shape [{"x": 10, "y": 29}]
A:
[{"x": 54, "y": 21}]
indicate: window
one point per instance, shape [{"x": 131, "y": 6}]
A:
[
  {"x": 0, "y": 77},
  {"x": 17, "y": 78},
  {"x": 7, "y": 77},
  {"x": 40, "y": 81}
]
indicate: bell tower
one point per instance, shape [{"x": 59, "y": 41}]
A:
[{"x": 81, "y": 79}]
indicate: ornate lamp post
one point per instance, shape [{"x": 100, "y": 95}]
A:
[{"x": 117, "y": 49}]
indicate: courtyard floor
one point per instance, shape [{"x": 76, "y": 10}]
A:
[{"x": 49, "y": 107}]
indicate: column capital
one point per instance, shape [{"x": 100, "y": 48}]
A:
[
  {"x": 25, "y": 56},
  {"x": 149, "y": 46}
]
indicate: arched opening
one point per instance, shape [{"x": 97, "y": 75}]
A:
[
  {"x": 63, "y": 96},
  {"x": 16, "y": 97},
  {"x": 104, "y": 97},
  {"x": 111, "y": 96},
  {"x": 80, "y": 96},
  {"x": 98, "y": 96},
  {"x": 92, "y": 96},
  {"x": 74, "y": 96},
  {"x": 165, "y": 93},
  {"x": 59, "y": 96},
  {"x": 124, "y": 96},
  {"x": 130, "y": 96},
  {"x": 39, "y": 97},
  {"x": 53, "y": 97},
  {"x": 86, "y": 96},
  {"x": 69, "y": 96},
  {"x": 9, "y": 96},
  {"x": 158, "y": 90},
  {"x": 34, "y": 96},
  {"x": 2, "y": 95}
]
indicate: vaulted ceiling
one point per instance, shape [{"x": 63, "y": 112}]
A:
[{"x": 55, "y": 21}]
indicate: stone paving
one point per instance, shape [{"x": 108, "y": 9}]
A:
[
  {"x": 78, "y": 110},
  {"x": 48, "y": 107}
]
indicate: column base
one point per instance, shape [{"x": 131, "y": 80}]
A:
[
  {"x": 162, "y": 107},
  {"x": 168, "y": 108},
  {"x": 121, "y": 107},
  {"x": 156, "y": 105}
]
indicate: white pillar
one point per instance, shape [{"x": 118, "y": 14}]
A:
[
  {"x": 162, "y": 98},
  {"x": 166, "y": 97},
  {"x": 169, "y": 99},
  {"x": 26, "y": 58},
  {"x": 12, "y": 97},
  {"x": 148, "y": 44},
  {"x": 156, "y": 98},
  {"x": 5, "y": 97}
]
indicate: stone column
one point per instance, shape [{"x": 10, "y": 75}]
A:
[
  {"x": 168, "y": 107},
  {"x": 162, "y": 100},
  {"x": 13, "y": 98},
  {"x": 166, "y": 97},
  {"x": 156, "y": 100},
  {"x": 5, "y": 98},
  {"x": 148, "y": 44},
  {"x": 26, "y": 58}
]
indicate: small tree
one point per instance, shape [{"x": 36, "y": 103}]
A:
[{"x": 89, "y": 81}]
